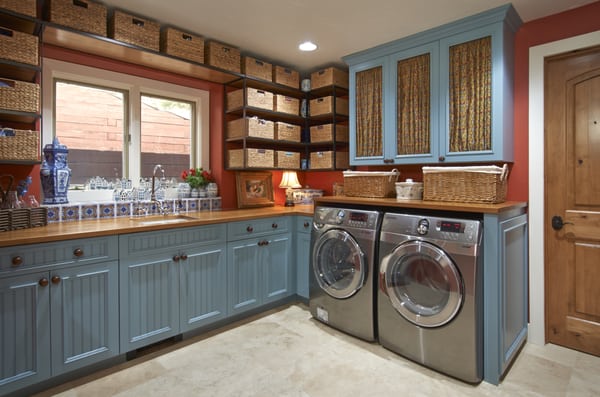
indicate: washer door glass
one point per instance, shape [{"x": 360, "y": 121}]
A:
[
  {"x": 338, "y": 264},
  {"x": 423, "y": 283}
]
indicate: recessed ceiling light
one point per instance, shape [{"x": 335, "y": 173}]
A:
[{"x": 307, "y": 46}]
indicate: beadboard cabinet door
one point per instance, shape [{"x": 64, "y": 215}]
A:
[
  {"x": 243, "y": 275},
  {"x": 303, "y": 247},
  {"x": 25, "y": 331}
]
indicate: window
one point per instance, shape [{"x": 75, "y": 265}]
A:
[{"x": 120, "y": 126}]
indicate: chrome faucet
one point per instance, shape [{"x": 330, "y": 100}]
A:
[{"x": 162, "y": 210}]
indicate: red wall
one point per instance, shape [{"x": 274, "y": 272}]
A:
[{"x": 556, "y": 27}]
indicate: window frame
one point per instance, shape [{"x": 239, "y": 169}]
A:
[{"x": 135, "y": 87}]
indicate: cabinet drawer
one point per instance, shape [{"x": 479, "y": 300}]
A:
[
  {"x": 137, "y": 244},
  {"x": 303, "y": 224},
  {"x": 257, "y": 227},
  {"x": 78, "y": 251}
]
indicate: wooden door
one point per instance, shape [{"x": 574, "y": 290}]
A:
[{"x": 572, "y": 186}]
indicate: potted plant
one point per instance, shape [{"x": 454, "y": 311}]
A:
[{"x": 197, "y": 178}]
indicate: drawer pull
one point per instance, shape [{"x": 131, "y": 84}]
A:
[
  {"x": 55, "y": 280},
  {"x": 176, "y": 258},
  {"x": 263, "y": 243},
  {"x": 274, "y": 226},
  {"x": 78, "y": 252},
  {"x": 184, "y": 257},
  {"x": 306, "y": 225},
  {"x": 17, "y": 261},
  {"x": 43, "y": 282},
  {"x": 249, "y": 229}
]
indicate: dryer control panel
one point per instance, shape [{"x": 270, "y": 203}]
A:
[{"x": 447, "y": 229}]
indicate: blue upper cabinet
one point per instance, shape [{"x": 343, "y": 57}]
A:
[{"x": 443, "y": 95}]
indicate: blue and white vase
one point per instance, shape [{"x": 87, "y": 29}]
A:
[{"x": 55, "y": 173}]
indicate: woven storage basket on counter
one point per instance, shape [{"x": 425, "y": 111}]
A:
[
  {"x": 135, "y": 30},
  {"x": 25, "y": 7},
  {"x": 286, "y": 76},
  {"x": 23, "y": 145},
  {"x": 18, "y": 46},
  {"x": 254, "y": 97},
  {"x": 251, "y": 127},
  {"x": 324, "y": 133},
  {"x": 222, "y": 56},
  {"x": 370, "y": 183},
  {"x": 182, "y": 44},
  {"x": 287, "y": 132},
  {"x": 84, "y": 15},
  {"x": 475, "y": 184},
  {"x": 20, "y": 96},
  {"x": 256, "y": 68}
]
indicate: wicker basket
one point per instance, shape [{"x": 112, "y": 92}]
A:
[
  {"x": 370, "y": 184},
  {"x": 329, "y": 77},
  {"x": 22, "y": 218},
  {"x": 329, "y": 160},
  {"x": 476, "y": 184},
  {"x": 182, "y": 44},
  {"x": 222, "y": 56},
  {"x": 288, "y": 132},
  {"x": 251, "y": 127},
  {"x": 325, "y": 133},
  {"x": 250, "y": 158},
  {"x": 135, "y": 30},
  {"x": 325, "y": 105},
  {"x": 84, "y": 15},
  {"x": 288, "y": 160},
  {"x": 18, "y": 46},
  {"x": 25, "y": 7},
  {"x": 286, "y": 104},
  {"x": 286, "y": 76},
  {"x": 254, "y": 98},
  {"x": 256, "y": 68},
  {"x": 24, "y": 145},
  {"x": 19, "y": 96}
]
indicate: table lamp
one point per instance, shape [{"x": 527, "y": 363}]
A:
[{"x": 289, "y": 181}]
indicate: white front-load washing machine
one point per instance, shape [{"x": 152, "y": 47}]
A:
[
  {"x": 429, "y": 300},
  {"x": 343, "y": 269}
]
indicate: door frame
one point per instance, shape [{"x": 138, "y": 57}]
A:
[{"x": 536, "y": 334}]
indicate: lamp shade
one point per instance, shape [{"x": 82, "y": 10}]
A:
[{"x": 289, "y": 179}]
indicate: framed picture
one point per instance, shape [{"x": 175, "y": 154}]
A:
[{"x": 254, "y": 189}]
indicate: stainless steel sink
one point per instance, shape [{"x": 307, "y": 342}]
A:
[{"x": 162, "y": 219}]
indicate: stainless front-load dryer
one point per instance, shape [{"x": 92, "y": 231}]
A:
[
  {"x": 343, "y": 266},
  {"x": 430, "y": 292}
]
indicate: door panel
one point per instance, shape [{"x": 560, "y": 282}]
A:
[{"x": 572, "y": 122}]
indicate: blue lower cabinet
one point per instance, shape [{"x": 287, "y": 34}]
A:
[
  {"x": 202, "y": 287},
  {"x": 302, "y": 247},
  {"x": 25, "y": 331},
  {"x": 260, "y": 271}
]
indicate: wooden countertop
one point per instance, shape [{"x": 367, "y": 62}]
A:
[
  {"x": 122, "y": 225},
  {"x": 421, "y": 204}
]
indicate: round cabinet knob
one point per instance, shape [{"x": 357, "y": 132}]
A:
[
  {"x": 306, "y": 225},
  {"x": 274, "y": 226},
  {"x": 43, "y": 282},
  {"x": 184, "y": 257},
  {"x": 78, "y": 252},
  {"x": 176, "y": 258},
  {"x": 249, "y": 229},
  {"x": 55, "y": 279},
  {"x": 441, "y": 158},
  {"x": 17, "y": 261}
]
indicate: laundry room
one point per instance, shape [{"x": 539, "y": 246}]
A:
[{"x": 299, "y": 198}]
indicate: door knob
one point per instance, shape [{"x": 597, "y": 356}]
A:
[{"x": 557, "y": 222}]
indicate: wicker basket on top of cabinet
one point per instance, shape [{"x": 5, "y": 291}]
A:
[
  {"x": 286, "y": 76},
  {"x": 253, "y": 67},
  {"x": 330, "y": 76},
  {"x": 134, "y": 30},
  {"x": 83, "y": 15},
  {"x": 223, "y": 56},
  {"x": 182, "y": 44},
  {"x": 25, "y": 7}
]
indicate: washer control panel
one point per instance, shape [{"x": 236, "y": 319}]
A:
[{"x": 358, "y": 219}]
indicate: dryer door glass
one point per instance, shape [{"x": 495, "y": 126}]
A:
[
  {"x": 423, "y": 283},
  {"x": 338, "y": 264}
]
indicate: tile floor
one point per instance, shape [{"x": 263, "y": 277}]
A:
[{"x": 287, "y": 353}]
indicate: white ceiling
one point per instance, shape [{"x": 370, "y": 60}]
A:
[{"x": 272, "y": 29}]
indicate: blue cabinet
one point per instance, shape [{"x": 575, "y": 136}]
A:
[
  {"x": 303, "y": 253},
  {"x": 59, "y": 309},
  {"x": 259, "y": 265},
  {"x": 171, "y": 281},
  {"x": 444, "y": 95}
]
